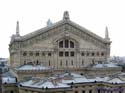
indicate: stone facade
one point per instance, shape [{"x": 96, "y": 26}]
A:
[{"x": 61, "y": 45}]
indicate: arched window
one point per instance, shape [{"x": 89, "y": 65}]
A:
[
  {"x": 61, "y": 44},
  {"x": 66, "y": 43},
  {"x": 71, "y": 44}
]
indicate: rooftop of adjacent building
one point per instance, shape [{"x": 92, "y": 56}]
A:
[
  {"x": 42, "y": 67},
  {"x": 64, "y": 80},
  {"x": 6, "y": 74}
]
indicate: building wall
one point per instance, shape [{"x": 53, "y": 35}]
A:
[
  {"x": 44, "y": 48},
  {"x": 80, "y": 88}
]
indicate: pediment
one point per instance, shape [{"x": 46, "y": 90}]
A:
[{"x": 63, "y": 27}]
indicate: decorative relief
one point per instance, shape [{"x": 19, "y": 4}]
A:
[{"x": 87, "y": 37}]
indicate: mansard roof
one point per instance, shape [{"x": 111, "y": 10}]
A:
[{"x": 59, "y": 23}]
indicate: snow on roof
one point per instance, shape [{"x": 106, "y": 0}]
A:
[
  {"x": 47, "y": 84},
  {"x": 116, "y": 80},
  {"x": 32, "y": 67},
  {"x": 8, "y": 80},
  {"x": 64, "y": 80},
  {"x": 104, "y": 79},
  {"x": 105, "y": 65}
]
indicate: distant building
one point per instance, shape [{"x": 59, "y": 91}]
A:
[
  {"x": 3, "y": 60},
  {"x": 47, "y": 60},
  {"x": 8, "y": 81}
]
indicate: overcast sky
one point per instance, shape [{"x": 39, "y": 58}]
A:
[{"x": 94, "y": 15}]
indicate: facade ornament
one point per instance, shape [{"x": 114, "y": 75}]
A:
[
  {"x": 66, "y": 15},
  {"x": 49, "y": 23},
  {"x": 106, "y": 33},
  {"x": 17, "y": 29}
]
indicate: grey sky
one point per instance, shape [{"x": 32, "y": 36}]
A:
[{"x": 94, "y": 15}]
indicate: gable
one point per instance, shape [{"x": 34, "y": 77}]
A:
[
  {"x": 59, "y": 27},
  {"x": 49, "y": 39}
]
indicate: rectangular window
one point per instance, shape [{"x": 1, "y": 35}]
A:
[
  {"x": 72, "y": 62},
  {"x": 49, "y": 62},
  {"x": 93, "y": 54},
  {"x": 98, "y": 91},
  {"x": 43, "y": 54},
  {"x": 60, "y": 62},
  {"x": 76, "y": 91},
  {"x": 72, "y": 53},
  {"x": 61, "y": 53},
  {"x": 82, "y": 62},
  {"x": 37, "y": 53},
  {"x": 90, "y": 91},
  {"x": 49, "y": 54},
  {"x": 83, "y": 91},
  {"x": 82, "y": 54},
  {"x": 66, "y": 54},
  {"x": 66, "y": 63}
]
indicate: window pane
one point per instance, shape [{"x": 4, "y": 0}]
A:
[
  {"x": 82, "y": 54},
  {"x": 82, "y": 62},
  {"x": 60, "y": 62},
  {"x": 66, "y": 54},
  {"x": 72, "y": 53},
  {"x": 102, "y": 54},
  {"x": 93, "y": 53},
  {"x": 61, "y": 44},
  {"x": 72, "y": 62},
  {"x": 66, "y": 43},
  {"x": 49, "y": 62},
  {"x": 49, "y": 54},
  {"x": 24, "y": 54},
  {"x": 37, "y": 53},
  {"x": 71, "y": 44},
  {"x": 60, "y": 53}
]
